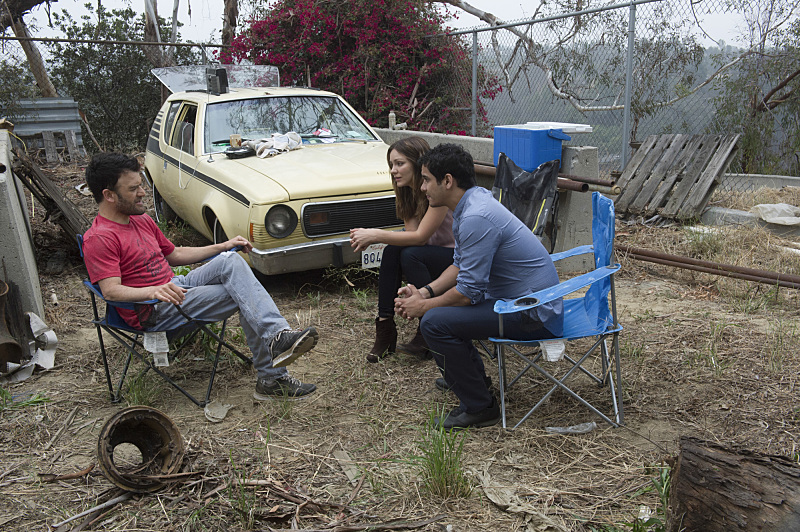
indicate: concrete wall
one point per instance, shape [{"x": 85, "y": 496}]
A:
[
  {"x": 575, "y": 208},
  {"x": 745, "y": 182},
  {"x": 16, "y": 248}
]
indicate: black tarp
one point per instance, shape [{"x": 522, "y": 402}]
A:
[{"x": 531, "y": 196}]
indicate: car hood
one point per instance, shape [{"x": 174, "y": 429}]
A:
[{"x": 313, "y": 171}]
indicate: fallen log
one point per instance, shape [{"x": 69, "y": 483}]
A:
[{"x": 714, "y": 489}]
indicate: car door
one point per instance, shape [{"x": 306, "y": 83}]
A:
[{"x": 180, "y": 160}]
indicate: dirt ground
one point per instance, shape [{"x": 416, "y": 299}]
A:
[{"x": 700, "y": 358}]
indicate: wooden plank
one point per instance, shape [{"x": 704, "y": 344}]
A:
[
  {"x": 348, "y": 467},
  {"x": 62, "y": 210},
  {"x": 72, "y": 145},
  {"x": 674, "y": 174},
  {"x": 636, "y": 160},
  {"x": 51, "y": 155},
  {"x": 659, "y": 172},
  {"x": 693, "y": 171},
  {"x": 632, "y": 188},
  {"x": 709, "y": 179}
]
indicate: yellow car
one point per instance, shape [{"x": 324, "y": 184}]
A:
[{"x": 296, "y": 206}]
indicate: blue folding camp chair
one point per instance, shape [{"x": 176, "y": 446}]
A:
[
  {"x": 132, "y": 340},
  {"x": 594, "y": 315}
]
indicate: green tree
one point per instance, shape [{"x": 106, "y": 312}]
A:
[
  {"x": 112, "y": 83},
  {"x": 16, "y": 83},
  {"x": 381, "y": 55},
  {"x": 759, "y": 99}
]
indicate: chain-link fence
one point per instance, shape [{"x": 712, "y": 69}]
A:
[{"x": 573, "y": 68}]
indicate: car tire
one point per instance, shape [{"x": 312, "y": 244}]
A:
[
  {"x": 164, "y": 212},
  {"x": 219, "y": 232}
]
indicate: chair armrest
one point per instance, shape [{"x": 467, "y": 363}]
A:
[
  {"x": 93, "y": 288},
  {"x": 580, "y": 250},
  {"x": 554, "y": 292}
]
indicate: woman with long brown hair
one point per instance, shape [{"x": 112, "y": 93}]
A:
[{"x": 421, "y": 252}]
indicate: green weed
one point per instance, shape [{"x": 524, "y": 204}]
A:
[
  {"x": 710, "y": 353},
  {"x": 440, "y": 464},
  {"x": 782, "y": 338},
  {"x": 243, "y": 498},
  {"x": 704, "y": 244},
  {"x": 181, "y": 270},
  {"x": 654, "y": 522},
  {"x": 9, "y": 402},
  {"x": 142, "y": 389},
  {"x": 365, "y": 299}
]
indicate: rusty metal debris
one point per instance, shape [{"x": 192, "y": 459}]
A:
[
  {"x": 726, "y": 270},
  {"x": 158, "y": 440},
  {"x": 10, "y": 350}
]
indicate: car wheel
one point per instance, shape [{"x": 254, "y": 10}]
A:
[
  {"x": 219, "y": 232},
  {"x": 164, "y": 212}
]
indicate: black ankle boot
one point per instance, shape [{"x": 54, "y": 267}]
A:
[
  {"x": 416, "y": 347},
  {"x": 385, "y": 339}
]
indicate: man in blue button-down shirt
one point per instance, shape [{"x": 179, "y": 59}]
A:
[{"x": 496, "y": 257}]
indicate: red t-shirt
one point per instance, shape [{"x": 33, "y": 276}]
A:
[{"x": 135, "y": 252}]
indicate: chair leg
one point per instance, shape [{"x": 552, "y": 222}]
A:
[
  {"x": 501, "y": 376},
  {"x": 618, "y": 369},
  {"x": 216, "y": 361}
]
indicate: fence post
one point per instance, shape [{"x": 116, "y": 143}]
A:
[
  {"x": 474, "y": 83},
  {"x": 626, "y": 121}
]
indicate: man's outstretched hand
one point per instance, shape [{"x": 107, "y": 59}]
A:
[
  {"x": 170, "y": 293},
  {"x": 239, "y": 241}
]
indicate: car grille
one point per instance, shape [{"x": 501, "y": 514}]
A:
[{"x": 345, "y": 215}]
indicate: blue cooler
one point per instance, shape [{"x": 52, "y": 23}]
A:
[{"x": 534, "y": 143}]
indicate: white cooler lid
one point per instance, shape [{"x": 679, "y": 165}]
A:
[{"x": 563, "y": 126}]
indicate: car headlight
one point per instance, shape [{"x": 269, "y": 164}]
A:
[{"x": 280, "y": 221}]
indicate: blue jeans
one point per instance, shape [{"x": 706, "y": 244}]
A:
[
  {"x": 419, "y": 264},
  {"x": 216, "y": 290},
  {"x": 449, "y": 332}
]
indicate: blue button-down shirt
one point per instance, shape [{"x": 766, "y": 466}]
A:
[{"x": 498, "y": 257}]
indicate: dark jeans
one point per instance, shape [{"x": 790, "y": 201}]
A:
[
  {"x": 449, "y": 332},
  {"x": 419, "y": 264}
]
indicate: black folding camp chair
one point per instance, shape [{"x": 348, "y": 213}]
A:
[{"x": 132, "y": 340}]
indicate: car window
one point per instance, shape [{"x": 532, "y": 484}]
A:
[
  {"x": 173, "y": 111},
  {"x": 183, "y": 133},
  {"x": 317, "y": 119}
]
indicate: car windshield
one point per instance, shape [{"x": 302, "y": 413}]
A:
[{"x": 318, "y": 119}]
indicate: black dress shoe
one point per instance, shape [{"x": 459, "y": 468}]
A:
[
  {"x": 459, "y": 419},
  {"x": 442, "y": 385}
]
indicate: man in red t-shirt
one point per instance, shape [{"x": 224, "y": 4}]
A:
[{"x": 129, "y": 257}]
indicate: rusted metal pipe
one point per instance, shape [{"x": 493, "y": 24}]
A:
[
  {"x": 568, "y": 184},
  {"x": 485, "y": 170},
  {"x": 564, "y": 184},
  {"x": 716, "y": 265},
  {"x": 725, "y": 270},
  {"x": 611, "y": 191},
  {"x": 590, "y": 180}
]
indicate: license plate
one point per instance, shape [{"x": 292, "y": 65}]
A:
[{"x": 371, "y": 257}]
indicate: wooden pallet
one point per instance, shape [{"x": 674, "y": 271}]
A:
[{"x": 674, "y": 175}]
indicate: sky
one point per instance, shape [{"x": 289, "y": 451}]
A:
[{"x": 205, "y": 23}]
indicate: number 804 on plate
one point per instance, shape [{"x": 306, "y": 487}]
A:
[{"x": 371, "y": 257}]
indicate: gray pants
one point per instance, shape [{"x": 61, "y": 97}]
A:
[{"x": 216, "y": 290}]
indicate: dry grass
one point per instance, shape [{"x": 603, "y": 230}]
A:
[
  {"x": 703, "y": 356},
  {"x": 743, "y": 201}
]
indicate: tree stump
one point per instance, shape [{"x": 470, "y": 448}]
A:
[{"x": 714, "y": 489}]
